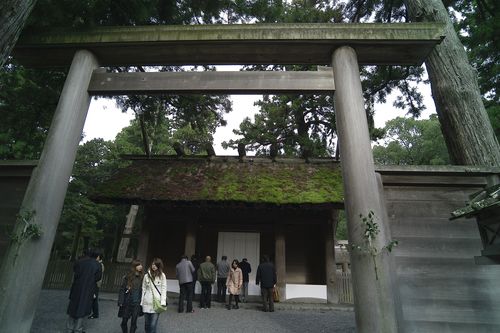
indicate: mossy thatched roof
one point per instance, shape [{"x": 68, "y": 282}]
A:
[{"x": 225, "y": 179}]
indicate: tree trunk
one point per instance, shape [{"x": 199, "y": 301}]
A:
[
  {"x": 13, "y": 16},
  {"x": 464, "y": 122}
]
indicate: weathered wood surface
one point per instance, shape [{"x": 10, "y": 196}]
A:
[
  {"x": 223, "y": 82},
  {"x": 429, "y": 227},
  {"x": 294, "y": 43},
  {"x": 441, "y": 289},
  {"x": 436, "y": 180}
]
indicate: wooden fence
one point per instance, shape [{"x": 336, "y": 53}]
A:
[
  {"x": 344, "y": 287},
  {"x": 60, "y": 276}
]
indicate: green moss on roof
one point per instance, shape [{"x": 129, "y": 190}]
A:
[{"x": 219, "y": 180}]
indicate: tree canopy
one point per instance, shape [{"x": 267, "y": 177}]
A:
[{"x": 408, "y": 141}]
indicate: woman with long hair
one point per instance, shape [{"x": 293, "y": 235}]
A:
[
  {"x": 154, "y": 286},
  {"x": 234, "y": 283},
  {"x": 129, "y": 297}
]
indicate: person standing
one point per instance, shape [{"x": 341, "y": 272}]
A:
[
  {"x": 195, "y": 260},
  {"x": 129, "y": 297},
  {"x": 222, "y": 271},
  {"x": 184, "y": 271},
  {"x": 234, "y": 283},
  {"x": 266, "y": 277},
  {"x": 154, "y": 286},
  {"x": 206, "y": 276},
  {"x": 95, "y": 304},
  {"x": 87, "y": 272},
  {"x": 245, "y": 269}
]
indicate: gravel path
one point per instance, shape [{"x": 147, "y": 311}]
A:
[{"x": 51, "y": 318}]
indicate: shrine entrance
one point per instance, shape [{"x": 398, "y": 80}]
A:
[{"x": 342, "y": 46}]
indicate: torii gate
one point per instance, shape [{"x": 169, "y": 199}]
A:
[{"x": 343, "y": 46}]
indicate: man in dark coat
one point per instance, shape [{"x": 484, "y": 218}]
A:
[
  {"x": 245, "y": 269},
  {"x": 266, "y": 277},
  {"x": 87, "y": 271}
]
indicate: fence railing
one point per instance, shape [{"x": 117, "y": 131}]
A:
[
  {"x": 59, "y": 275},
  {"x": 344, "y": 287}
]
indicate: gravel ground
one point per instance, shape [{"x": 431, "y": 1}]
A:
[{"x": 51, "y": 318}]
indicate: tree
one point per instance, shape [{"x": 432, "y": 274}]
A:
[
  {"x": 302, "y": 125},
  {"x": 25, "y": 121},
  {"x": 294, "y": 125},
  {"x": 466, "y": 128},
  {"x": 479, "y": 23},
  {"x": 412, "y": 142},
  {"x": 13, "y": 16},
  {"x": 465, "y": 124},
  {"x": 96, "y": 160}
]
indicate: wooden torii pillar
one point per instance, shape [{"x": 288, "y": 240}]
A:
[
  {"x": 374, "y": 296},
  {"x": 24, "y": 266}
]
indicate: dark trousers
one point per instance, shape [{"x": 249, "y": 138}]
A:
[
  {"x": 206, "y": 294},
  {"x": 267, "y": 298},
  {"x": 186, "y": 294},
  {"x": 244, "y": 291},
  {"x": 221, "y": 289},
  {"x": 134, "y": 314},
  {"x": 230, "y": 300},
  {"x": 95, "y": 304}
]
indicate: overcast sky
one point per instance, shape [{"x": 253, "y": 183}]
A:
[{"x": 105, "y": 120}]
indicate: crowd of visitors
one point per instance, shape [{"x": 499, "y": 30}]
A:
[{"x": 145, "y": 293}]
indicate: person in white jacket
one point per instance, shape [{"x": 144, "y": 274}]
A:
[{"x": 154, "y": 285}]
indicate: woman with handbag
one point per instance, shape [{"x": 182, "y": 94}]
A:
[
  {"x": 154, "y": 295},
  {"x": 129, "y": 297}
]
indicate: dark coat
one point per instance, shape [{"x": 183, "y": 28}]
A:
[
  {"x": 129, "y": 300},
  {"x": 87, "y": 271},
  {"x": 266, "y": 275},
  {"x": 245, "y": 269}
]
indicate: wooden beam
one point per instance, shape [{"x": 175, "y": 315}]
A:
[
  {"x": 317, "y": 82},
  {"x": 232, "y": 44}
]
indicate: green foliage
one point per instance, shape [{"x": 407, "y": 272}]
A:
[
  {"x": 412, "y": 142},
  {"x": 25, "y": 230},
  {"x": 493, "y": 110},
  {"x": 28, "y": 229},
  {"x": 478, "y": 25},
  {"x": 96, "y": 160},
  {"x": 28, "y": 98},
  {"x": 302, "y": 125},
  {"x": 188, "y": 119},
  {"x": 371, "y": 231},
  {"x": 341, "y": 232},
  {"x": 80, "y": 14}
]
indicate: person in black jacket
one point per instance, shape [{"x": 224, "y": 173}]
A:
[
  {"x": 87, "y": 271},
  {"x": 246, "y": 269},
  {"x": 266, "y": 277},
  {"x": 129, "y": 297}
]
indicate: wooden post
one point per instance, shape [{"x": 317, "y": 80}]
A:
[
  {"x": 25, "y": 263},
  {"x": 374, "y": 300},
  {"x": 330, "y": 263},
  {"x": 190, "y": 243},
  {"x": 280, "y": 259},
  {"x": 127, "y": 232}
]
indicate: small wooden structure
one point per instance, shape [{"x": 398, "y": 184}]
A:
[{"x": 485, "y": 207}]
